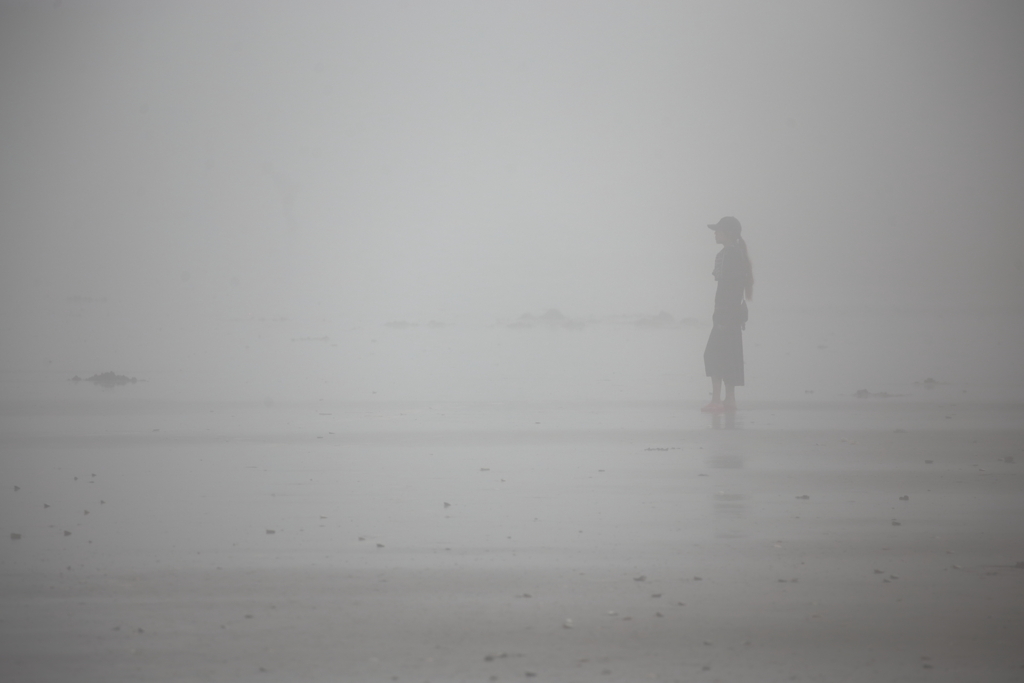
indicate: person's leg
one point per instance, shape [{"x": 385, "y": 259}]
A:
[
  {"x": 716, "y": 396},
  {"x": 730, "y": 397}
]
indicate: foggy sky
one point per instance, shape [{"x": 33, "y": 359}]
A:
[{"x": 467, "y": 161}]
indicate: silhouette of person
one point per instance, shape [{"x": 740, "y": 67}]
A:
[{"x": 723, "y": 356}]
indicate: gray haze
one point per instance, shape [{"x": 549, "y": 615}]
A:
[
  {"x": 416, "y": 296},
  {"x": 196, "y": 193}
]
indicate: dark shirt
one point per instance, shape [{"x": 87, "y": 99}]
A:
[{"x": 731, "y": 273}]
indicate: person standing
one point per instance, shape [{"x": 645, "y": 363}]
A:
[{"x": 723, "y": 356}]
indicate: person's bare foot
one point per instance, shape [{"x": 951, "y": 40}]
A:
[
  {"x": 729, "y": 407},
  {"x": 713, "y": 407}
]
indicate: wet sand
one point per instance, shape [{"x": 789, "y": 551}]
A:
[{"x": 604, "y": 541}]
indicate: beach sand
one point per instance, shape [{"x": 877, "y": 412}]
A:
[{"x": 876, "y": 540}]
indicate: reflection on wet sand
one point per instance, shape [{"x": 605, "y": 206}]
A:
[
  {"x": 726, "y": 421},
  {"x": 730, "y": 499}
]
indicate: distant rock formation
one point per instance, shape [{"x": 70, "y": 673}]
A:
[
  {"x": 864, "y": 393},
  {"x": 663, "y": 319},
  {"x": 552, "y": 318},
  {"x": 107, "y": 380}
]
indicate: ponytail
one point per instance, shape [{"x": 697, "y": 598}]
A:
[{"x": 748, "y": 288}]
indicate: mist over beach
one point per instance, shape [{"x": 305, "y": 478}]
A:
[
  {"x": 185, "y": 180},
  {"x": 394, "y": 312}
]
